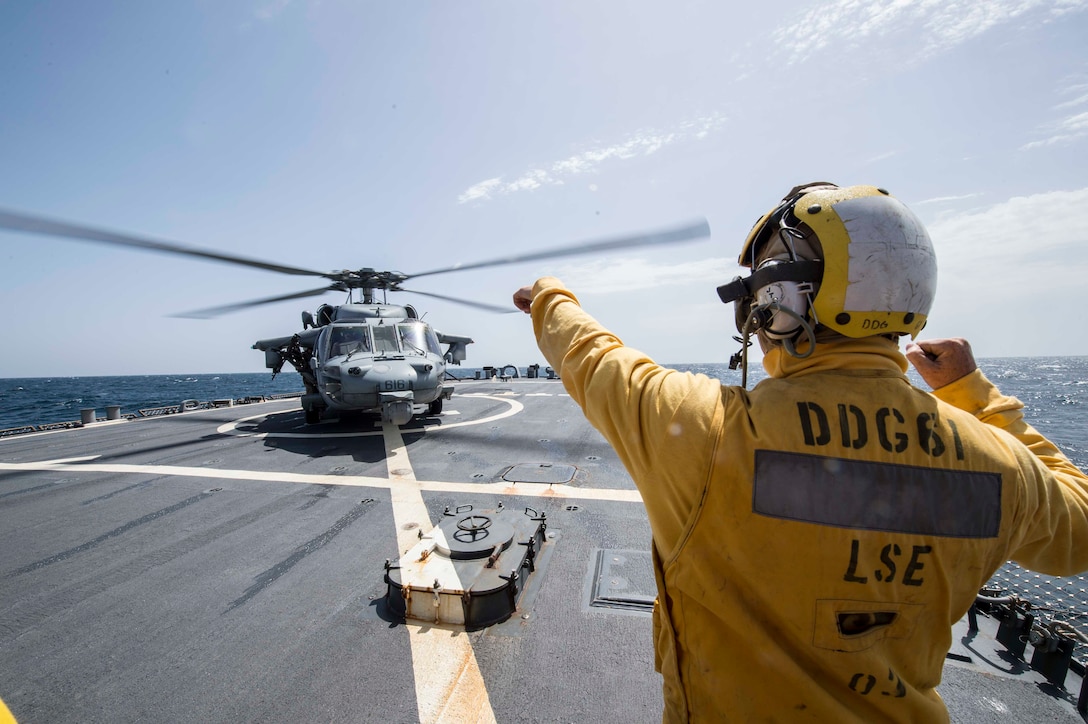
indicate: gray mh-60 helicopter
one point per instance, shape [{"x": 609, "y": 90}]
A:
[{"x": 361, "y": 356}]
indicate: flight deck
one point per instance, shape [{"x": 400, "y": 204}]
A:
[{"x": 233, "y": 564}]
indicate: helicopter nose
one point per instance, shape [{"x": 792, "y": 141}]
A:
[{"x": 386, "y": 376}]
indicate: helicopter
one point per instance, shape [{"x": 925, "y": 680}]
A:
[
  {"x": 368, "y": 356},
  {"x": 365, "y": 355}
]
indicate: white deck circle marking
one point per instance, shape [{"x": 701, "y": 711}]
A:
[{"x": 230, "y": 428}]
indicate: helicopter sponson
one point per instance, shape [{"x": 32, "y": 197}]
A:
[{"x": 368, "y": 357}]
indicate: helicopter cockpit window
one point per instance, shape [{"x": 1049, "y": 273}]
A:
[
  {"x": 414, "y": 339},
  {"x": 346, "y": 340},
  {"x": 385, "y": 339},
  {"x": 432, "y": 342}
]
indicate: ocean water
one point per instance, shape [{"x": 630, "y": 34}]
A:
[{"x": 41, "y": 400}]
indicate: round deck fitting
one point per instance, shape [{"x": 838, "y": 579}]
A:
[{"x": 473, "y": 536}]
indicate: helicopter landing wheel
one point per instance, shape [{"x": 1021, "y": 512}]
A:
[
  {"x": 435, "y": 408},
  {"x": 313, "y": 416}
]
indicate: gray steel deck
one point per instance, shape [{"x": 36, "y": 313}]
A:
[{"x": 226, "y": 565}]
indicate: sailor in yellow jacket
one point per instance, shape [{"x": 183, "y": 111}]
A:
[{"x": 816, "y": 537}]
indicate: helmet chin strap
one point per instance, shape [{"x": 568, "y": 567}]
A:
[{"x": 802, "y": 270}]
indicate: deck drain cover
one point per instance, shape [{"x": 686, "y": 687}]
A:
[
  {"x": 624, "y": 579},
  {"x": 539, "y": 473}
]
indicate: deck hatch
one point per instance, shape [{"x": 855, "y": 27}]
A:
[
  {"x": 623, "y": 579},
  {"x": 539, "y": 473},
  {"x": 470, "y": 569}
]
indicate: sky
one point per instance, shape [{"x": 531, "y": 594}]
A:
[{"x": 335, "y": 135}]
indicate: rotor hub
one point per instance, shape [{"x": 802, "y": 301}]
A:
[{"x": 367, "y": 278}]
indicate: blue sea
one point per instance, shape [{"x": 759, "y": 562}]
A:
[{"x": 42, "y": 400}]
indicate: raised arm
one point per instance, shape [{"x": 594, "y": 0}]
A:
[
  {"x": 1057, "y": 492},
  {"x": 658, "y": 420}
]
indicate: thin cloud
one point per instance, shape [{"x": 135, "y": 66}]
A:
[
  {"x": 946, "y": 199},
  {"x": 1064, "y": 131},
  {"x": 482, "y": 190},
  {"x": 880, "y": 157},
  {"x": 942, "y": 24},
  {"x": 1075, "y": 102},
  {"x": 556, "y": 173},
  {"x": 1006, "y": 274},
  {"x": 1068, "y": 129},
  {"x": 1034, "y": 230}
]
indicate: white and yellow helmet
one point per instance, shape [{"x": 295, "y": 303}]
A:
[{"x": 853, "y": 259}]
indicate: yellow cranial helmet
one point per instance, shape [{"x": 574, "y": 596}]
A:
[{"x": 853, "y": 259}]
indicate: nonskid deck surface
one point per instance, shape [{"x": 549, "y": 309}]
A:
[{"x": 227, "y": 565}]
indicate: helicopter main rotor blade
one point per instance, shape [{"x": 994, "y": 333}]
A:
[
  {"x": 688, "y": 232},
  {"x": 50, "y": 227},
  {"x": 467, "y": 303},
  {"x": 216, "y": 311}
]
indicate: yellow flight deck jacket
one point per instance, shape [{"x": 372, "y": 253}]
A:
[{"x": 815, "y": 538}]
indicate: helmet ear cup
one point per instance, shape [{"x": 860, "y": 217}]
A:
[
  {"x": 782, "y": 305},
  {"x": 773, "y": 298}
]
